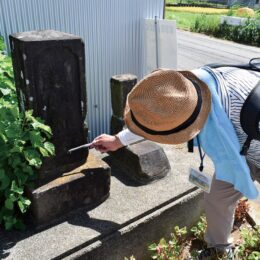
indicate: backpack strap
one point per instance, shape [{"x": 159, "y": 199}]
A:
[
  {"x": 191, "y": 146},
  {"x": 250, "y": 117}
]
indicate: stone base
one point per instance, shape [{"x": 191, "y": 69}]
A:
[
  {"x": 87, "y": 185},
  {"x": 143, "y": 162},
  {"x": 133, "y": 217}
]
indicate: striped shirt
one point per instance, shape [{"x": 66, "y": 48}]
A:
[{"x": 234, "y": 86}]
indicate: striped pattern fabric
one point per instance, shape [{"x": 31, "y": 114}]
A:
[{"x": 233, "y": 88}]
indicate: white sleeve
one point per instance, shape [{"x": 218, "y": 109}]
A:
[{"x": 126, "y": 137}]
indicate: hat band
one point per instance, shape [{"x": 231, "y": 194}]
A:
[{"x": 181, "y": 127}]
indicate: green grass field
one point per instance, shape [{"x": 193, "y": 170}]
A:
[{"x": 185, "y": 20}]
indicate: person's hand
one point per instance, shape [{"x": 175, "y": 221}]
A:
[{"x": 105, "y": 143}]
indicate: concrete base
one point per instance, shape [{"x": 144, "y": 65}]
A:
[
  {"x": 124, "y": 224},
  {"x": 87, "y": 185}
]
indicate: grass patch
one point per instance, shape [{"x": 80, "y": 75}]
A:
[{"x": 187, "y": 20}]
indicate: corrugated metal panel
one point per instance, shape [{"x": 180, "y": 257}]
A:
[{"x": 111, "y": 30}]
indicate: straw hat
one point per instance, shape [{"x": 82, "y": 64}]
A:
[{"x": 168, "y": 106}]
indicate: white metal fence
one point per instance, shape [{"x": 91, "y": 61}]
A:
[{"x": 111, "y": 30}]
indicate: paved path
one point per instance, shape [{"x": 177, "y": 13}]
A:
[{"x": 195, "y": 50}]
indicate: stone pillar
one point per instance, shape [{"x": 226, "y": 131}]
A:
[
  {"x": 145, "y": 161},
  {"x": 121, "y": 85},
  {"x": 49, "y": 70}
]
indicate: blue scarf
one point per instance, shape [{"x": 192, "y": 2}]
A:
[{"x": 219, "y": 141}]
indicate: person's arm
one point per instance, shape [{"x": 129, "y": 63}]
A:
[
  {"x": 106, "y": 143},
  {"x": 127, "y": 137}
]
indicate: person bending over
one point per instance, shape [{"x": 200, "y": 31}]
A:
[{"x": 173, "y": 107}]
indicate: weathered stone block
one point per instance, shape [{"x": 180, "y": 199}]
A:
[
  {"x": 49, "y": 70},
  {"x": 143, "y": 162},
  {"x": 85, "y": 186},
  {"x": 121, "y": 85},
  {"x": 116, "y": 125}
]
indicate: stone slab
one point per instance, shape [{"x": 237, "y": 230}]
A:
[
  {"x": 127, "y": 205},
  {"x": 143, "y": 162},
  {"x": 87, "y": 185}
]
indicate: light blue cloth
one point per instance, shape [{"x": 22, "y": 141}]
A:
[{"x": 219, "y": 141}]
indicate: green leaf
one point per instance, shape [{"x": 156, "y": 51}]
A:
[
  {"x": 9, "y": 221},
  {"x": 35, "y": 138},
  {"x": 33, "y": 157},
  {"x": 4, "y": 180},
  {"x": 43, "y": 151},
  {"x": 12, "y": 197},
  {"x": 50, "y": 148},
  {"x": 5, "y": 91},
  {"x": 16, "y": 189},
  {"x": 3, "y": 137},
  {"x": 152, "y": 247},
  {"x": 9, "y": 204},
  {"x": 45, "y": 128},
  {"x": 23, "y": 204},
  {"x": 21, "y": 207}
]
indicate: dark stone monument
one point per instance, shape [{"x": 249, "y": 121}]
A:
[
  {"x": 121, "y": 85},
  {"x": 49, "y": 70},
  {"x": 144, "y": 161}
]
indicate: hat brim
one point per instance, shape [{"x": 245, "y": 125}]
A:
[{"x": 186, "y": 134}]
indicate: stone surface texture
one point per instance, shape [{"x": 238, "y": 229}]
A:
[
  {"x": 133, "y": 214},
  {"x": 87, "y": 185},
  {"x": 142, "y": 162},
  {"x": 49, "y": 70}
]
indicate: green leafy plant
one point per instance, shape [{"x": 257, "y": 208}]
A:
[
  {"x": 172, "y": 249},
  {"x": 23, "y": 141},
  {"x": 199, "y": 230},
  {"x": 250, "y": 247},
  {"x": 248, "y": 33}
]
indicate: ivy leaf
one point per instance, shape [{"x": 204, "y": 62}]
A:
[
  {"x": 35, "y": 138},
  {"x": 45, "y": 128},
  {"x": 16, "y": 189},
  {"x": 3, "y": 137},
  {"x": 50, "y": 148},
  {"x": 4, "y": 180},
  {"x": 43, "y": 151},
  {"x": 5, "y": 91},
  {"x": 10, "y": 221},
  {"x": 9, "y": 204},
  {"x": 23, "y": 204},
  {"x": 33, "y": 157},
  {"x": 12, "y": 197},
  {"x": 152, "y": 247},
  {"x": 21, "y": 207}
]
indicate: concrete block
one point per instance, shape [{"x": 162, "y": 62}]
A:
[
  {"x": 87, "y": 186},
  {"x": 143, "y": 162}
]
